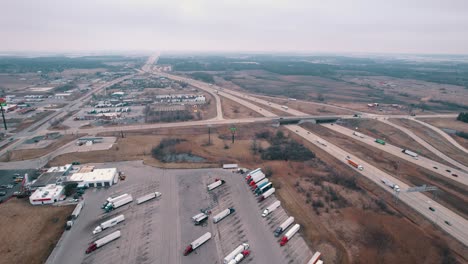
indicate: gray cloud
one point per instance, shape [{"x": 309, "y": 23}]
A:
[{"x": 430, "y": 26}]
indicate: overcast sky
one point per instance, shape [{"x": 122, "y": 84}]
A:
[{"x": 376, "y": 26}]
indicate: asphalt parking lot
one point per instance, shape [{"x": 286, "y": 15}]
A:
[
  {"x": 7, "y": 177},
  {"x": 158, "y": 231}
]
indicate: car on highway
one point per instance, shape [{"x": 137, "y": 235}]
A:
[
  {"x": 435, "y": 167},
  {"x": 432, "y": 209},
  {"x": 448, "y": 170},
  {"x": 454, "y": 175},
  {"x": 448, "y": 223}
]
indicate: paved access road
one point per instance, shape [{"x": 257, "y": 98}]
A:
[
  {"x": 418, "y": 201},
  {"x": 439, "y": 168}
]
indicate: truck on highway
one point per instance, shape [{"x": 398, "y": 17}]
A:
[
  {"x": 315, "y": 258},
  {"x": 223, "y": 214},
  {"x": 116, "y": 204},
  {"x": 258, "y": 176},
  {"x": 410, "y": 153},
  {"x": 280, "y": 229},
  {"x": 284, "y": 107},
  {"x": 148, "y": 197},
  {"x": 355, "y": 165},
  {"x": 239, "y": 257},
  {"x": 197, "y": 243},
  {"x": 357, "y": 134},
  {"x": 264, "y": 188},
  {"x": 199, "y": 218},
  {"x": 380, "y": 141},
  {"x": 109, "y": 223},
  {"x": 103, "y": 241},
  {"x": 235, "y": 252},
  {"x": 249, "y": 174},
  {"x": 258, "y": 184},
  {"x": 391, "y": 185},
  {"x": 112, "y": 199},
  {"x": 271, "y": 208},
  {"x": 215, "y": 184},
  {"x": 322, "y": 143},
  {"x": 291, "y": 232},
  {"x": 266, "y": 194}
]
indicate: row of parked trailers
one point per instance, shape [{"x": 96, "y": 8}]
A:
[
  {"x": 111, "y": 204},
  {"x": 264, "y": 188},
  {"x": 239, "y": 253}
]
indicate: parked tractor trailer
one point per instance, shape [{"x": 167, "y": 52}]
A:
[
  {"x": 197, "y": 243},
  {"x": 271, "y": 208},
  {"x": 235, "y": 252},
  {"x": 256, "y": 177},
  {"x": 258, "y": 184},
  {"x": 148, "y": 197},
  {"x": 113, "y": 199},
  {"x": 291, "y": 232},
  {"x": 249, "y": 174},
  {"x": 116, "y": 204},
  {"x": 266, "y": 194},
  {"x": 109, "y": 223},
  {"x": 284, "y": 226},
  {"x": 239, "y": 257},
  {"x": 223, "y": 215},
  {"x": 103, "y": 241},
  {"x": 263, "y": 189},
  {"x": 199, "y": 218},
  {"x": 355, "y": 165},
  {"x": 215, "y": 184},
  {"x": 315, "y": 258}
]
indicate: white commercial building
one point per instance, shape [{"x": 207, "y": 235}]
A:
[
  {"x": 96, "y": 177},
  {"x": 47, "y": 195}
]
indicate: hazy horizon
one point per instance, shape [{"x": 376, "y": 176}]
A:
[{"x": 336, "y": 27}]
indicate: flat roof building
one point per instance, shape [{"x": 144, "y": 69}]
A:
[
  {"x": 96, "y": 178},
  {"x": 47, "y": 195}
]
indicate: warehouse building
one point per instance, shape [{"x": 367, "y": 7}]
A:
[
  {"x": 47, "y": 195},
  {"x": 96, "y": 177}
]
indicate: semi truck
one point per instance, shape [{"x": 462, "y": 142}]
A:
[
  {"x": 103, "y": 241},
  {"x": 76, "y": 212},
  {"x": 239, "y": 257},
  {"x": 315, "y": 258},
  {"x": 199, "y": 218},
  {"x": 380, "y": 141},
  {"x": 291, "y": 232},
  {"x": 116, "y": 204},
  {"x": 391, "y": 185},
  {"x": 284, "y": 107},
  {"x": 197, "y": 243},
  {"x": 148, "y": 197},
  {"x": 255, "y": 185},
  {"x": 235, "y": 252},
  {"x": 223, "y": 214},
  {"x": 112, "y": 199},
  {"x": 261, "y": 185},
  {"x": 410, "y": 153},
  {"x": 109, "y": 223},
  {"x": 249, "y": 175},
  {"x": 266, "y": 194},
  {"x": 357, "y": 134},
  {"x": 280, "y": 229},
  {"x": 355, "y": 165},
  {"x": 258, "y": 176},
  {"x": 271, "y": 208},
  {"x": 265, "y": 188},
  {"x": 215, "y": 184}
]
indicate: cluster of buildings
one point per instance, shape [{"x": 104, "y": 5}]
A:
[
  {"x": 49, "y": 187},
  {"x": 181, "y": 98}
]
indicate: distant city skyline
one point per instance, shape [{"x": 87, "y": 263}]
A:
[{"x": 303, "y": 26}]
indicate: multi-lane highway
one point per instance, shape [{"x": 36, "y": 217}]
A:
[{"x": 434, "y": 166}]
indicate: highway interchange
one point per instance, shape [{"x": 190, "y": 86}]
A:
[{"x": 458, "y": 227}]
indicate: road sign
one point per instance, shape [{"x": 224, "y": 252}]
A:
[{"x": 3, "y": 102}]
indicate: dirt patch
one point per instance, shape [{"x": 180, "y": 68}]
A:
[
  {"x": 433, "y": 138},
  {"x": 29, "y": 233},
  {"x": 452, "y": 195},
  {"x": 390, "y": 134},
  {"x": 25, "y": 154},
  {"x": 233, "y": 110},
  {"x": 25, "y": 123}
]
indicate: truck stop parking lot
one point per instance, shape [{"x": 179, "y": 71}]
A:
[{"x": 159, "y": 230}]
